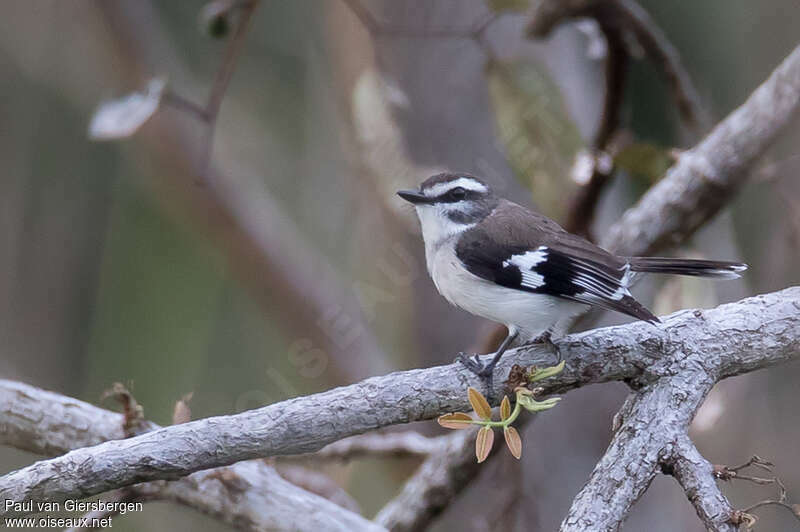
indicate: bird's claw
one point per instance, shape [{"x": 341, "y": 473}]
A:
[{"x": 546, "y": 339}]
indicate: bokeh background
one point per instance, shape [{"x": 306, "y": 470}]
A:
[{"x": 290, "y": 267}]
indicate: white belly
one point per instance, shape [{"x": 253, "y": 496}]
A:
[{"x": 532, "y": 314}]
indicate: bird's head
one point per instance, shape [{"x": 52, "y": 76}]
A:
[{"x": 448, "y": 204}]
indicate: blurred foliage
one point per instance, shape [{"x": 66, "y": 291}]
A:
[
  {"x": 156, "y": 326},
  {"x": 539, "y": 137},
  {"x": 508, "y": 5},
  {"x": 644, "y": 160}
]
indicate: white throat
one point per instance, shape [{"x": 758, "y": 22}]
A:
[{"x": 437, "y": 229}]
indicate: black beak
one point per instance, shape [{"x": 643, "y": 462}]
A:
[{"x": 413, "y": 196}]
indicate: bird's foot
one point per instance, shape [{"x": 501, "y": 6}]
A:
[{"x": 475, "y": 365}]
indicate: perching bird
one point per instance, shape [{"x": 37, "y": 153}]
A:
[{"x": 498, "y": 260}]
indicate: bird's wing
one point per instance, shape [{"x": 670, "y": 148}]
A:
[{"x": 525, "y": 251}]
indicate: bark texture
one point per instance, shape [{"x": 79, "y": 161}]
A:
[{"x": 696, "y": 346}]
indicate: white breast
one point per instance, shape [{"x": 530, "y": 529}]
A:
[{"x": 532, "y": 314}]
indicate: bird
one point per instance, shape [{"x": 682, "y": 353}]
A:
[{"x": 501, "y": 261}]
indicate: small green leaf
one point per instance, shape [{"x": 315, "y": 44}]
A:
[
  {"x": 532, "y": 405},
  {"x": 645, "y": 160},
  {"x": 479, "y": 403},
  {"x": 513, "y": 441},
  {"x": 457, "y": 420},
  {"x": 535, "y": 129},
  {"x": 505, "y": 408},
  {"x": 483, "y": 443},
  {"x": 540, "y": 374}
]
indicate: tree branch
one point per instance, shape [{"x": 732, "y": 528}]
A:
[
  {"x": 627, "y": 15},
  {"x": 731, "y": 339},
  {"x": 223, "y": 77},
  {"x": 617, "y": 20},
  {"x": 696, "y": 476},
  {"x": 658, "y": 416},
  {"x": 248, "y": 495},
  {"x": 51, "y": 424}
]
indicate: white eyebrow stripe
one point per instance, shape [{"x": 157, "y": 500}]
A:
[{"x": 463, "y": 182}]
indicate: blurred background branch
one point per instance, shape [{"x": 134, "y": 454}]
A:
[
  {"x": 262, "y": 244},
  {"x": 624, "y": 25}
]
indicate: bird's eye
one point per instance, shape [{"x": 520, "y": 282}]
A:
[{"x": 458, "y": 193}]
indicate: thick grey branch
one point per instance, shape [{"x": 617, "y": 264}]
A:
[
  {"x": 652, "y": 436},
  {"x": 753, "y": 333},
  {"x": 657, "y": 417},
  {"x": 248, "y": 495},
  {"x": 49, "y": 423}
]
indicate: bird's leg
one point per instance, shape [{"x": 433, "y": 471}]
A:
[{"x": 485, "y": 370}]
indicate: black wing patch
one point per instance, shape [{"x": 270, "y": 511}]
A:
[{"x": 544, "y": 270}]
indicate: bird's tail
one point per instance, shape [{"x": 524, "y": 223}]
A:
[{"x": 719, "y": 269}]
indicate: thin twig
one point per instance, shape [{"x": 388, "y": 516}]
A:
[
  {"x": 728, "y": 473},
  {"x": 666, "y": 57},
  {"x": 224, "y": 76},
  {"x": 175, "y": 100},
  {"x": 583, "y": 204},
  {"x": 627, "y": 15},
  {"x": 617, "y": 19}
]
